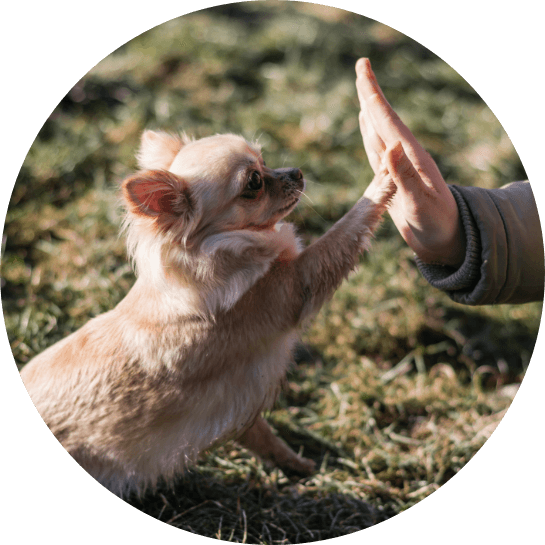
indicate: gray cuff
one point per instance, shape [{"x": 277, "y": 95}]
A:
[{"x": 466, "y": 277}]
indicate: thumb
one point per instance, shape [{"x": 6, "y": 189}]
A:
[{"x": 405, "y": 176}]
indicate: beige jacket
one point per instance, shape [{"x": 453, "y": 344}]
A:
[{"x": 504, "y": 260}]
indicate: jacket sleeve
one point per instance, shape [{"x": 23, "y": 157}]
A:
[{"x": 504, "y": 260}]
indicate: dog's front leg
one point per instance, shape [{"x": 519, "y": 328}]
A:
[
  {"x": 321, "y": 267},
  {"x": 261, "y": 440}
]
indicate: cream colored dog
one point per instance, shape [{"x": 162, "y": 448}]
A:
[{"x": 201, "y": 344}]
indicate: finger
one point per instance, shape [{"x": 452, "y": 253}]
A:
[
  {"x": 388, "y": 124},
  {"x": 403, "y": 172},
  {"x": 385, "y": 120},
  {"x": 366, "y": 81},
  {"x": 374, "y": 145}
]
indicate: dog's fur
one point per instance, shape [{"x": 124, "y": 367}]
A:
[{"x": 200, "y": 345}]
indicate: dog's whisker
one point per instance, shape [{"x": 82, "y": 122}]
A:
[
  {"x": 314, "y": 183},
  {"x": 303, "y": 194}
]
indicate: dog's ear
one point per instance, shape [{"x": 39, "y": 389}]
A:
[
  {"x": 155, "y": 193},
  {"x": 158, "y": 149}
]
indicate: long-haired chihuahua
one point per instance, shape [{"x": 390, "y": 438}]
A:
[{"x": 201, "y": 344}]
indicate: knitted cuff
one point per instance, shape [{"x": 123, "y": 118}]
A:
[{"x": 466, "y": 277}]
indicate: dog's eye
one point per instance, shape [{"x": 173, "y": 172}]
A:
[{"x": 254, "y": 181}]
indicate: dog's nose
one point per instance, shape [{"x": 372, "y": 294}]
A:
[
  {"x": 293, "y": 174},
  {"x": 296, "y": 174}
]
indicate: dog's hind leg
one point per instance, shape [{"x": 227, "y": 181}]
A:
[{"x": 261, "y": 440}]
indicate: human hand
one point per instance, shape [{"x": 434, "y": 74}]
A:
[{"x": 423, "y": 208}]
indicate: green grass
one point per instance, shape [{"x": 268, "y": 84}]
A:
[{"x": 398, "y": 387}]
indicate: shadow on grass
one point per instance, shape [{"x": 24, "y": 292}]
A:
[{"x": 246, "y": 511}]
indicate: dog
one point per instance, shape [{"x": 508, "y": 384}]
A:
[{"x": 201, "y": 344}]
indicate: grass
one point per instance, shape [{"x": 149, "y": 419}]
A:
[{"x": 396, "y": 386}]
